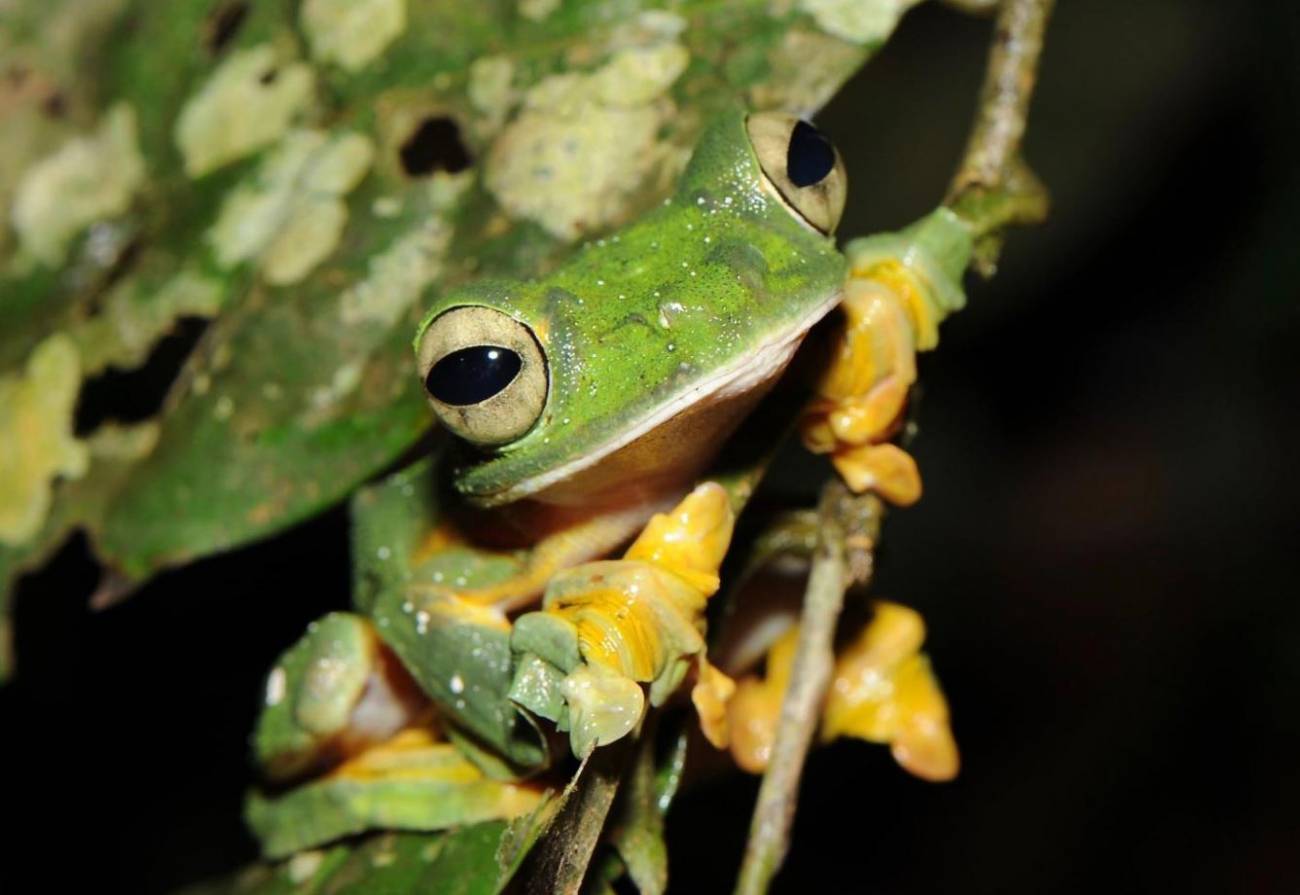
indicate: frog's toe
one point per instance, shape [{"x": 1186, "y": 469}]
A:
[{"x": 885, "y": 469}]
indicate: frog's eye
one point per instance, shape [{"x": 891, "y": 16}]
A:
[
  {"x": 485, "y": 374},
  {"x": 801, "y": 165}
]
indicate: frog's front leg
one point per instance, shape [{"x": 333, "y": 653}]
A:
[
  {"x": 609, "y": 629},
  {"x": 899, "y": 287},
  {"x": 566, "y": 541}
]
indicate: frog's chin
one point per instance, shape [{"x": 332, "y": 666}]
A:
[{"x": 670, "y": 447}]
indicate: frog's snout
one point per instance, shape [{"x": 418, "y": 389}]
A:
[{"x": 484, "y": 373}]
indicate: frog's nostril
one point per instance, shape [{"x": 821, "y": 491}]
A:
[{"x": 472, "y": 375}]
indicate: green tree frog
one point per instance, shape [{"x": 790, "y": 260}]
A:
[
  {"x": 597, "y": 395},
  {"x": 587, "y": 401}
]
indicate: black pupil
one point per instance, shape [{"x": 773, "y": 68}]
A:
[
  {"x": 810, "y": 156},
  {"x": 472, "y": 374}
]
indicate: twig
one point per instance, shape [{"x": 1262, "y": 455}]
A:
[
  {"x": 769, "y": 832},
  {"x": 560, "y": 862},
  {"x": 993, "y": 188}
]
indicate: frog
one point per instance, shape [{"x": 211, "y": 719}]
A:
[
  {"x": 584, "y": 404},
  {"x": 585, "y": 408}
]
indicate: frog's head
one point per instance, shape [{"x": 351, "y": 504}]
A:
[{"x": 620, "y": 374}]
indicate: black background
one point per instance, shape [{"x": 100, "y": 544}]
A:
[{"x": 1104, "y": 556}]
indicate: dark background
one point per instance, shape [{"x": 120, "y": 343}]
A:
[{"x": 1104, "y": 554}]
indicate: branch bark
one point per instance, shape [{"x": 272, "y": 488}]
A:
[
  {"x": 993, "y": 187},
  {"x": 560, "y": 862},
  {"x": 847, "y": 532}
]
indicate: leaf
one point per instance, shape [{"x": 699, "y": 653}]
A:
[
  {"x": 302, "y": 387},
  {"x": 638, "y": 822},
  {"x": 459, "y": 863}
]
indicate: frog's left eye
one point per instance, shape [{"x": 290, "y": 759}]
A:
[
  {"x": 485, "y": 374},
  {"x": 801, "y": 165}
]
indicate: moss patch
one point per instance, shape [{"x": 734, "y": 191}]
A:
[
  {"x": 86, "y": 180},
  {"x": 290, "y": 215},
  {"x": 36, "y": 440},
  {"x": 352, "y": 33},
  {"x": 247, "y": 104},
  {"x": 585, "y": 142}
]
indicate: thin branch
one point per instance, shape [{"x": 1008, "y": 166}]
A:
[
  {"x": 993, "y": 188},
  {"x": 846, "y": 529},
  {"x": 561, "y": 860}
]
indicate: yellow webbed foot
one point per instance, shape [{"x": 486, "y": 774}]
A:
[
  {"x": 639, "y": 619},
  {"x": 862, "y": 395},
  {"x": 885, "y": 469},
  {"x": 899, "y": 288},
  {"x": 882, "y": 690}
]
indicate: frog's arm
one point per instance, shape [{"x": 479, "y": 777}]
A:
[
  {"x": 900, "y": 287},
  {"x": 608, "y": 628},
  {"x": 882, "y": 690},
  {"x": 569, "y": 545}
]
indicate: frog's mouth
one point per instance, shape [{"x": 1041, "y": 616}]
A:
[{"x": 714, "y": 404}]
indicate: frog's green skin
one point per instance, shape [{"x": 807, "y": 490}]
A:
[
  {"x": 332, "y": 693},
  {"x": 696, "y": 306}
]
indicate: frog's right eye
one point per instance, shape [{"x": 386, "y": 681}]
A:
[
  {"x": 485, "y": 374},
  {"x": 801, "y": 165}
]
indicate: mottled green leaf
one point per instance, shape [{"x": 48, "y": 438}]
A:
[
  {"x": 459, "y": 863},
  {"x": 302, "y": 386}
]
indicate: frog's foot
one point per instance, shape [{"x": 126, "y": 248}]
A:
[
  {"x": 863, "y": 393},
  {"x": 886, "y": 469},
  {"x": 899, "y": 287},
  {"x": 589, "y": 539},
  {"x": 608, "y": 629},
  {"x": 412, "y": 781},
  {"x": 882, "y": 690}
]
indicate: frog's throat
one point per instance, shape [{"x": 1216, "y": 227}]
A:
[{"x": 752, "y": 373}]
